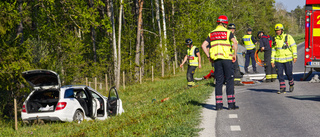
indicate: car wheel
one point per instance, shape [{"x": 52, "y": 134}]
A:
[{"x": 78, "y": 116}]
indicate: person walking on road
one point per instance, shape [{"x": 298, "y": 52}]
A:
[
  {"x": 237, "y": 74},
  {"x": 220, "y": 53},
  {"x": 265, "y": 46},
  {"x": 194, "y": 58},
  {"x": 284, "y": 52},
  {"x": 250, "y": 44}
]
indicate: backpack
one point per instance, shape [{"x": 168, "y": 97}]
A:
[{"x": 269, "y": 39}]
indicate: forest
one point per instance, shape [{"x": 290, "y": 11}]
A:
[{"x": 91, "y": 38}]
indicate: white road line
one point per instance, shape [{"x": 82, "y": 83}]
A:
[
  {"x": 235, "y": 128},
  {"x": 233, "y": 115}
]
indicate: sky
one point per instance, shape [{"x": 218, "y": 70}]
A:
[{"x": 291, "y": 4}]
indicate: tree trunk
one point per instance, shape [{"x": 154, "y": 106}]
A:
[
  {"x": 119, "y": 46},
  {"x": 142, "y": 52},
  {"x": 174, "y": 37},
  {"x": 159, "y": 26},
  {"x": 20, "y": 26},
  {"x": 137, "y": 58},
  {"x": 164, "y": 30},
  {"x": 114, "y": 42},
  {"x": 93, "y": 37},
  {"x": 152, "y": 16}
]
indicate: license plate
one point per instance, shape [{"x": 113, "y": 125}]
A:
[{"x": 315, "y": 63}]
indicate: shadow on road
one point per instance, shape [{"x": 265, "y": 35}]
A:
[
  {"x": 207, "y": 106},
  {"x": 299, "y": 77},
  {"x": 264, "y": 90},
  {"x": 306, "y": 97}
]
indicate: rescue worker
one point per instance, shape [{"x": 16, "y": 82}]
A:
[
  {"x": 220, "y": 53},
  {"x": 237, "y": 74},
  {"x": 265, "y": 46},
  {"x": 284, "y": 51},
  {"x": 194, "y": 58},
  {"x": 250, "y": 44}
]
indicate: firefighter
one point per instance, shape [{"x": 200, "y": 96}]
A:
[
  {"x": 194, "y": 58},
  {"x": 237, "y": 74},
  {"x": 220, "y": 53},
  {"x": 284, "y": 51},
  {"x": 250, "y": 44},
  {"x": 265, "y": 46}
]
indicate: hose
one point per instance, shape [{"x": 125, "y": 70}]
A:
[{"x": 257, "y": 59}]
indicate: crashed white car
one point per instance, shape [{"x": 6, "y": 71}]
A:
[{"x": 50, "y": 102}]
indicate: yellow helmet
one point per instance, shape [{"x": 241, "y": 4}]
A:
[{"x": 278, "y": 27}]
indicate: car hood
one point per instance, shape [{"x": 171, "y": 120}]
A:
[{"x": 42, "y": 79}]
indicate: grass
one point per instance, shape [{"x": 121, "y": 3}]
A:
[{"x": 145, "y": 114}]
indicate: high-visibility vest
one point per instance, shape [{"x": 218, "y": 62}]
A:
[
  {"x": 248, "y": 42},
  {"x": 220, "y": 44},
  {"x": 193, "y": 60},
  {"x": 284, "y": 49},
  {"x": 232, "y": 43}
]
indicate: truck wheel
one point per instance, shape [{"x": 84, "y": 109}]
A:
[
  {"x": 78, "y": 116},
  {"x": 317, "y": 69}
]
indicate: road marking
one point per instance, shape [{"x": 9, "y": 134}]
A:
[
  {"x": 235, "y": 128},
  {"x": 233, "y": 116}
]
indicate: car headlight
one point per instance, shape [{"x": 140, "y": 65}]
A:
[{"x": 307, "y": 56}]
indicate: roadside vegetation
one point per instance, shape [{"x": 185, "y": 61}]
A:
[{"x": 145, "y": 114}]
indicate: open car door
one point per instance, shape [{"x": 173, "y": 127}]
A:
[
  {"x": 92, "y": 104},
  {"x": 114, "y": 104}
]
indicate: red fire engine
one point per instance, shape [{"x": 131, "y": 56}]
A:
[{"x": 312, "y": 36}]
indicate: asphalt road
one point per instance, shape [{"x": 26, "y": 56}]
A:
[{"x": 264, "y": 113}]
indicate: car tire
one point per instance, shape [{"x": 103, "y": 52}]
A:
[{"x": 78, "y": 116}]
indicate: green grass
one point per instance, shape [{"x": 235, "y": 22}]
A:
[{"x": 178, "y": 116}]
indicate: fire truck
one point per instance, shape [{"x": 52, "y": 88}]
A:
[{"x": 312, "y": 36}]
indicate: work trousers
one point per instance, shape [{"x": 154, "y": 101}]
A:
[
  {"x": 237, "y": 74},
  {"x": 190, "y": 73},
  {"x": 287, "y": 68},
  {"x": 224, "y": 72},
  {"x": 271, "y": 73},
  {"x": 250, "y": 55}
]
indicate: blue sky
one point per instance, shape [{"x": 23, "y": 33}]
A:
[{"x": 291, "y": 4}]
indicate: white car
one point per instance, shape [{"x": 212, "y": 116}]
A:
[{"x": 50, "y": 102}]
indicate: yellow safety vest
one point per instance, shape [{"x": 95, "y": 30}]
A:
[
  {"x": 284, "y": 52},
  {"x": 232, "y": 43},
  {"x": 193, "y": 60},
  {"x": 248, "y": 42},
  {"x": 220, "y": 44}
]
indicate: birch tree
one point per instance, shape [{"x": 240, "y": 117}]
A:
[
  {"x": 119, "y": 46},
  {"x": 160, "y": 44},
  {"x": 137, "y": 58}
]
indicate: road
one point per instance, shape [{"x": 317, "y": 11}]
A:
[{"x": 264, "y": 113}]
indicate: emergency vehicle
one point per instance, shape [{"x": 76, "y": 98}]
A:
[{"x": 312, "y": 36}]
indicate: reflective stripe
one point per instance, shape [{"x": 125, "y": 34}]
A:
[
  {"x": 292, "y": 44},
  {"x": 219, "y": 101},
  {"x": 218, "y": 44},
  {"x": 237, "y": 79},
  {"x": 282, "y": 59},
  {"x": 268, "y": 76}
]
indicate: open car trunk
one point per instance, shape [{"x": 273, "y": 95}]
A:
[{"x": 43, "y": 100}]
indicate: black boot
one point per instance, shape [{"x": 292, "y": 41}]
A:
[
  {"x": 232, "y": 106},
  {"x": 282, "y": 90},
  {"x": 219, "y": 106},
  {"x": 291, "y": 88}
]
